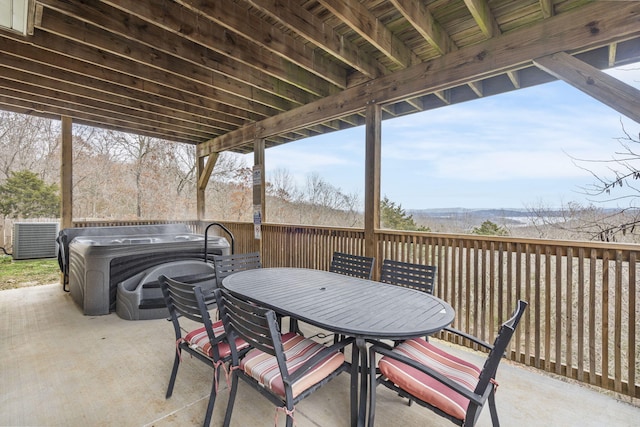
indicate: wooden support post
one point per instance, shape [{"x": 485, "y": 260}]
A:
[
  {"x": 372, "y": 181},
  {"x": 66, "y": 174},
  {"x": 200, "y": 198},
  {"x": 259, "y": 197}
]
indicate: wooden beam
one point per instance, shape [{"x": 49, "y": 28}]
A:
[
  {"x": 33, "y": 16},
  {"x": 363, "y": 22},
  {"x": 46, "y": 107},
  {"x": 610, "y": 91},
  {"x": 66, "y": 174},
  {"x": 302, "y": 22},
  {"x": 514, "y": 76},
  {"x": 613, "y": 50},
  {"x": 484, "y": 18},
  {"x": 444, "y": 95},
  {"x": 35, "y": 87},
  {"x": 205, "y": 30},
  {"x": 233, "y": 16},
  {"x": 477, "y": 88},
  {"x": 159, "y": 65},
  {"x": 135, "y": 85},
  {"x": 513, "y": 50},
  {"x": 373, "y": 137},
  {"x": 49, "y": 55},
  {"x": 423, "y": 21},
  {"x": 205, "y": 174},
  {"x": 546, "y": 6}
]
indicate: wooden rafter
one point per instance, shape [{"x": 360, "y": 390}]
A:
[
  {"x": 221, "y": 72},
  {"x": 358, "y": 17},
  {"x": 509, "y": 52},
  {"x": 232, "y": 16},
  {"x": 303, "y": 22},
  {"x": 483, "y": 16},
  {"x": 424, "y": 22}
]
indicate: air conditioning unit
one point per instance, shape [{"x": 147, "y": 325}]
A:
[{"x": 32, "y": 240}]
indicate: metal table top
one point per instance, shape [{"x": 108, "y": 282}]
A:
[{"x": 343, "y": 304}]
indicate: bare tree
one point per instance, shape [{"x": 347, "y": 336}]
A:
[
  {"x": 27, "y": 143},
  {"x": 229, "y": 192},
  {"x": 574, "y": 221},
  {"x": 325, "y": 204},
  {"x": 181, "y": 162},
  {"x": 282, "y": 186},
  {"x": 118, "y": 175},
  {"x": 618, "y": 184}
]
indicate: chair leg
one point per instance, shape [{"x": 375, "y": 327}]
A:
[
  {"x": 212, "y": 397},
  {"x": 290, "y": 420},
  {"x": 232, "y": 398},
  {"x": 372, "y": 388},
  {"x": 355, "y": 355},
  {"x": 174, "y": 373},
  {"x": 493, "y": 410}
]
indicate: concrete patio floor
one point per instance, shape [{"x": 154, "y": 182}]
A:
[{"x": 61, "y": 368}]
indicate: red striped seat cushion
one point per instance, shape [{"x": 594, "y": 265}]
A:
[
  {"x": 298, "y": 349},
  {"x": 199, "y": 340},
  {"x": 425, "y": 387}
]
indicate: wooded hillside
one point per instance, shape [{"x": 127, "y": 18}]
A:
[{"x": 124, "y": 176}]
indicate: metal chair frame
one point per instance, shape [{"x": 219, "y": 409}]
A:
[
  {"x": 484, "y": 390},
  {"x": 228, "y": 264},
  {"x": 409, "y": 275},
  {"x": 259, "y": 327},
  {"x": 188, "y": 301},
  {"x": 352, "y": 265}
]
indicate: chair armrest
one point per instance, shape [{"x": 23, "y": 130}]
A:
[
  {"x": 475, "y": 398},
  {"x": 469, "y": 337}
]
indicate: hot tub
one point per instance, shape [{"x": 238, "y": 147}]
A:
[
  {"x": 97, "y": 264},
  {"x": 140, "y": 296}
]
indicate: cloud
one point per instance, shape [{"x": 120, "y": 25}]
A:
[{"x": 534, "y": 133}]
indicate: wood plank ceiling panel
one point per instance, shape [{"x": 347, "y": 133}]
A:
[{"x": 219, "y": 74}]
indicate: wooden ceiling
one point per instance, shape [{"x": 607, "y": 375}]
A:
[{"x": 223, "y": 73}]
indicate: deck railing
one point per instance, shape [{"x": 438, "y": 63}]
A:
[
  {"x": 581, "y": 322},
  {"x": 583, "y": 301}
]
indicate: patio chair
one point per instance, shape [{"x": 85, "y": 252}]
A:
[
  {"x": 352, "y": 265},
  {"x": 283, "y": 368},
  {"x": 228, "y": 264},
  {"x": 409, "y": 275},
  {"x": 207, "y": 342},
  {"x": 415, "y": 276},
  {"x": 440, "y": 381}
]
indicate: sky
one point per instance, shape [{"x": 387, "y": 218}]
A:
[{"x": 514, "y": 150}]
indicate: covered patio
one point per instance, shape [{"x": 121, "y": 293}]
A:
[
  {"x": 61, "y": 368},
  {"x": 246, "y": 75}
]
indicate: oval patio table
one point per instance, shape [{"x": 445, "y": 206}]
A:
[{"x": 345, "y": 305}]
